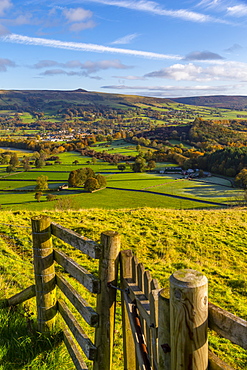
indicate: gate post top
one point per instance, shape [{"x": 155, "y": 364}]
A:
[{"x": 188, "y": 278}]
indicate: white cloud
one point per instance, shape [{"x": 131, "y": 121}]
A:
[
  {"x": 177, "y": 90},
  {"x": 19, "y": 39},
  {"x": 178, "y": 72},
  {"x": 237, "y": 10},
  {"x": 224, "y": 71},
  {"x": 130, "y": 78},
  {"x": 89, "y": 66},
  {"x": 234, "y": 48},
  {"x": 77, "y": 15},
  {"x": 155, "y": 8},
  {"x": 102, "y": 65},
  {"x": 169, "y": 87},
  {"x": 3, "y": 30},
  {"x": 77, "y": 27},
  {"x": 211, "y": 4},
  {"x": 4, "y": 5},
  {"x": 125, "y": 39},
  {"x": 20, "y": 20},
  {"x": 202, "y": 55},
  {"x": 57, "y": 72},
  {"x": 80, "y": 19}
]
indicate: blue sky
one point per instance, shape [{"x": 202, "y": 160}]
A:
[{"x": 149, "y": 48}]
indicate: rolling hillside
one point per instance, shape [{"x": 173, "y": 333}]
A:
[
  {"x": 218, "y": 101},
  {"x": 47, "y": 99}
]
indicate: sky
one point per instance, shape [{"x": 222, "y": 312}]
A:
[{"x": 149, "y": 48}]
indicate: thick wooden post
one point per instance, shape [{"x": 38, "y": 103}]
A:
[
  {"x": 128, "y": 341},
  {"x": 188, "y": 320},
  {"x": 164, "y": 341},
  {"x": 44, "y": 273},
  {"x": 106, "y": 299}
]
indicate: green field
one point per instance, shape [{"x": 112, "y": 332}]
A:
[
  {"x": 210, "y": 241},
  {"x": 135, "y": 189}
]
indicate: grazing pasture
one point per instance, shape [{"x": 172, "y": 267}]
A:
[{"x": 123, "y": 187}]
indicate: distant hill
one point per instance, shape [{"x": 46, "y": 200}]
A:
[
  {"x": 45, "y": 100},
  {"x": 52, "y": 100},
  {"x": 217, "y": 101}
]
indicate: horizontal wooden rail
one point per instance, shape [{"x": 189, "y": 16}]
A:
[
  {"x": 85, "y": 245},
  {"x": 87, "y": 312},
  {"x": 85, "y": 343},
  {"x": 137, "y": 295},
  {"x": 215, "y": 363},
  {"x": 23, "y": 296},
  {"x": 228, "y": 325},
  {"x": 88, "y": 280},
  {"x": 73, "y": 351}
]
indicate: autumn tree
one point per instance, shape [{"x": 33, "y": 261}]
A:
[
  {"x": 91, "y": 184},
  {"x": 39, "y": 163},
  {"x": 14, "y": 161},
  {"x": 139, "y": 165},
  {"x": 241, "y": 178},
  {"x": 101, "y": 181},
  {"x": 37, "y": 196},
  {"x": 121, "y": 167},
  {"x": 42, "y": 183},
  {"x": 151, "y": 165},
  {"x": 79, "y": 176}
]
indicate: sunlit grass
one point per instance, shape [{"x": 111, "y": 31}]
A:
[{"x": 211, "y": 241}]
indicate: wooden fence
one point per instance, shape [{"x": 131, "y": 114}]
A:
[{"x": 159, "y": 332}]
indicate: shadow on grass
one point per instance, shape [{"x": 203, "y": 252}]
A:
[{"x": 20, "y": 343}]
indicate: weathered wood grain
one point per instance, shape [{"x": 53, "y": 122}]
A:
[
  {"x": 154, "y": 313},
  {"x": 106, "y": 299},
  {"x": 154, "y": 284},
  {"x": 88, "y": 280},
  {"x": 215, "y": 363},
  {"x": 84, "y": 342},
  {"x": 188, "y": 320},
  {"x": 134, "y": 263},
  {"x": 140, "y": 299},
  {"x": 147, "y": 331},
  {"x": 73, "y": 351},
  {"x": 44, "y": 273},
  {"x": 87, "y": 312},
  {"x": 85, "y": 245},
  {"x": 228, "y": 325},
  {"x": 143, "y": 360},
  {"x": 23, "y": 296},
  {"x": 164, "y": 340},
  {"x": 128, "y": 341}
]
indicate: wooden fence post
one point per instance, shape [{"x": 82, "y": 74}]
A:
[
  {"x": 106, "y": 299},
  {"x": 44, "y": 273},
  {"x": 188, "y": 320},
  {"x": 128, "y": 341},
  {"x": 164, "y": 341}
]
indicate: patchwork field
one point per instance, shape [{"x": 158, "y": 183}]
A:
[{"x": 17, "y": 189}]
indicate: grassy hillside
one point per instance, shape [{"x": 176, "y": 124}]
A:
[
  {"x": 217, "y": 101},
  {"x": 211, "y": 241},
  {"x": 51, "y": 101}
]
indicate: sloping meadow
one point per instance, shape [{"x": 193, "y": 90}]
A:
[{"x": 211, "y": 241}]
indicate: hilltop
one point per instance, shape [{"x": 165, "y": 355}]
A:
[{"x": 49, "y": 99}]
